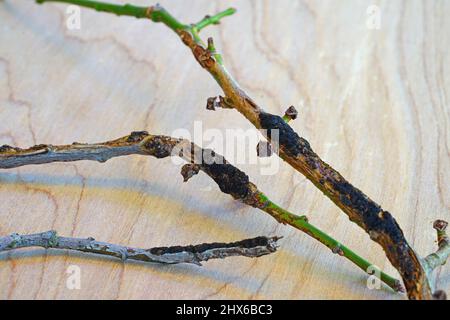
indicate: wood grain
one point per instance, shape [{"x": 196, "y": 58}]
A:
[{"x": 373, "y": 103}]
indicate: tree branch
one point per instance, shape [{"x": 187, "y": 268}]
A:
[
  {"x": 230, "y": 179},
  {"x": 378, "y": 223},
  {"x": 194, "y": 254}
]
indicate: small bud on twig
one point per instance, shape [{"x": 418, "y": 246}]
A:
[
  {"x": 189, "y": 170},
  {"x": 290, "y": 114},
  {"x": 338, "y": 250},
  {"x": 217, "y": 102}
]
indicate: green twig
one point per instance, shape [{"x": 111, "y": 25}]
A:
[
  {"x": 208, "y": 20},
  {"x": 301, "y": 223},
  {"x": 120, "y": 10},
  {"x": 156, "y": 14}
]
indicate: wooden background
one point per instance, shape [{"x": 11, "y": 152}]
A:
[{"x": 373, "y": 103}]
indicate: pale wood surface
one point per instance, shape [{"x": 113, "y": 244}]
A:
[{"x": 375, "y": 104}]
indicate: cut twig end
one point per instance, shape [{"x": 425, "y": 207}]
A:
[
  {"x": 272, "y": 243},
  {"x": 440, "y": 256},
  {"x": 440, "y": 225},
  {"x": 291, "y": 113},
  {"x": 211, "y": 46}
]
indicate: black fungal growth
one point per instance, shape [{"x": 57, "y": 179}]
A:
[
  {"x": 372, "y": 216},
  {"x": 380, "y": 224},
  {"x": 137, "y": 136},
  {"x": 248, "y": 243},
  {"x": 159, "y": 147},
  {"x": 230, "y": 179},
  {"x": 289, "y": 140}
]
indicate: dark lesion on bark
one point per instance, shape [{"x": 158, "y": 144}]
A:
[
  {"x": 372, "y": 216},
  {"x": 137, "y": 136},
  {"x": 6, "y": 148},
  {"x": 289, "y": 140},
  {"x": 160, "y": 146},
  {"x": 379, "y": 224},
  {"x": 369, "y": 214},
  {"x": 199, "y": 248},
  {"x": 230, "y": 179}
]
